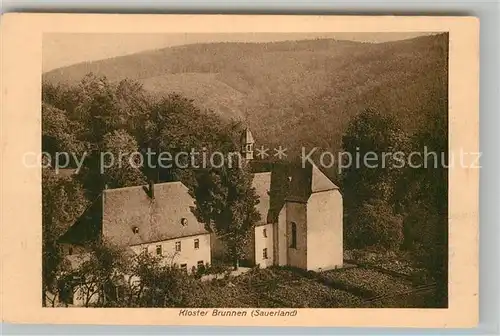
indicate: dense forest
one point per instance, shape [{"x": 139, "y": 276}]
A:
[
  {"x": 290, "y": 93},
  {"x": 331, "y": 94}
]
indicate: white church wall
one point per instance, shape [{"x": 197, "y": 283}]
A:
[
  {"x": 264, "y": 245},
  {"x": 281, "y": 239},
  {"x": 297, "y": 255},
  {"x": 324, "y": 230}
]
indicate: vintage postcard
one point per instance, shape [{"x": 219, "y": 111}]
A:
[{"x": 240, "y": 170}]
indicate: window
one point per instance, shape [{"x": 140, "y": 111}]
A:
[
  {"x": 200, "y": 264},
  {"x": 196, "y": 244},
  {"x": 184, "y": 221},
  {"x": 264, "y": 253},
  {"x": 144, "y": 249},
  {"x": 264, "y": 232},
  {"x": 184, "y": 267},
  {"x": 177, "y": 246},
  {"x": 158, "y": 249},
  {"x": 294, "y": 235}
]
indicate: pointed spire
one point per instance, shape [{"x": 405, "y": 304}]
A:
[
  {"x": 247, "y": 137},
  {"x": 247, "y": 143}
]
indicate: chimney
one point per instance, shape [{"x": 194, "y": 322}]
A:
[{"x": 151, "y": 189}]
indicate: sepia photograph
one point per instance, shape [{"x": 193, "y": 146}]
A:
[
  {"x": 245, "y": 170},
  {"x": 241, "y": 170}
]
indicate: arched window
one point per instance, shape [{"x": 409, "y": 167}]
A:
[{"x": 294, "y": 235}]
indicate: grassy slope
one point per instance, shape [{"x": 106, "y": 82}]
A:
[{"x": 296, "y": 94}]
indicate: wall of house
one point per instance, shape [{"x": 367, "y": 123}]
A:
[
  {"x": 325, "y": 230},
  {"x": 297, "y": 213},
  {"x": 188, "y": 255},
  {"x": 264, "y": 242},
  {"x": 281, "y": 239}
]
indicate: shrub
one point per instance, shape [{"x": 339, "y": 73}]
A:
[{"x": 376, "y": 225}]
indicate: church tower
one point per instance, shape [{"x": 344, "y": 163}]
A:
[{"x": 247, "y": 143}]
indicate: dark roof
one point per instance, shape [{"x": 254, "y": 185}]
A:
[
  {"x": 131, "y": 216},
  {"x": 87, "y": 228},
  {"x": 247, "y": 137},
  {"x": 306, "y": 181},
  {"x": 262, "y": 184},
  {"x": 287, "y": 182}
]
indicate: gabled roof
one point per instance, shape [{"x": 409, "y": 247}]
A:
[
  {"x": 87, "y": 228},
  {"x": 247, "y": 137},
  {"x": 320, "y": 182},
  {"x": 307, "y": 180},
  {"x": 290, "y": 182},
  {"x": 132, "y": 217}
]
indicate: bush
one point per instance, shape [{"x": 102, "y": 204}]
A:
[
  {"x": 376, "y": 225},
  {"x": 217, "y": 269}
]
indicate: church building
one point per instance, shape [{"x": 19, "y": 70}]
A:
[{"x": 301, "y": 215}]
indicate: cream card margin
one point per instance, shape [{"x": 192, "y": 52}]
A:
[{"x": 21, "y": 190}]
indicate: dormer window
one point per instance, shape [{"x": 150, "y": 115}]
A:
[
  {"x": 135, "y": 229},
  {"x": 184, "y": 221}
]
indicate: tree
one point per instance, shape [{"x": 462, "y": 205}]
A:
[
  {"x": 426, "y": 199},
  {"x": 99, "y": 273},
  {"x": 366, "y": 183},
  {"x": 125, "y": 167},
  {"x": 159, "y": 283},
  {"x": 63, "y": 97},
  {"x": 377, "y": 225},
  {"x": 225, "y": 201},
  {"x": 60, "y": 134},
  {"x": 133, "y": 104},
  {"x": 98, "y": 108},
  {"x": 174, "y": 124},
  {"x": 115, "y": 164},
  {"x": 63, "y": 201}
]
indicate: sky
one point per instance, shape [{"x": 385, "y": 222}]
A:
[{"x": 63, "y": 49}]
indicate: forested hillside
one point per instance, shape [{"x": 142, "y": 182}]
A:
[{"x": 294, "y": 93}]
